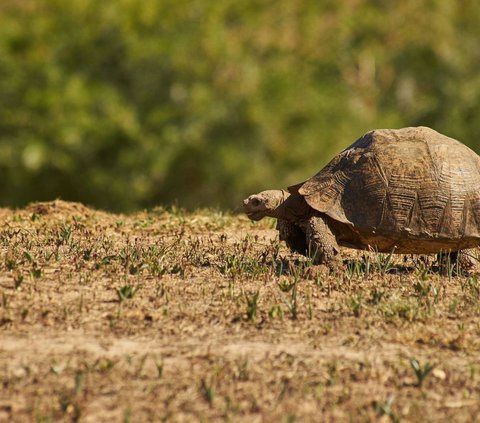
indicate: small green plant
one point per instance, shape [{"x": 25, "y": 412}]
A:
[
  {"x": 208, "y": 391},
  {"x": 103, "y": 365},
  {"x": 420, "y": 372},
  {"x": 69, "y": 402},
  {"x": 354, "y": 270},
  {"x": 87, "y": 254},
  {"x": 69, "y": 405},
  {"x": 291, "y": 418},
  {"x": 383, "y": 262},
  {"x": 452, "y": 307},
  {"x": 309, "y": 307},
  {"x": 238, "y": 265},
  {"x": 18, "y": 280},
  {"x": 422, "y": 288},
  {"x": 332, "y": 373},
  {"x": 104, "y": 261},
  {"x": 5, "y": 301},
  {"x": 79, "y": 382},
  {"x": 356, "y": 304},
  {"x": 159, "y": 366},
  {"x": 127, "y": 415},
  {"x": 286, "y": 285},
  {"x": 275, "y": 311},
  {"x": 126, "y": 292},
  {"x": 318, "y": 281},
  {"x": 64, "y": 235},
  {"x": 28, "y": 256},
  {"x": 366, "y": 265},
  {"x": 35, "y": 272},
  {"x": 252, "y": 301},
  {"x": 11, "y": 263},
  {"x": 291, "y": 303},
  {"x": 397, "y": 307},
  {"x": 471, "y": 288},
  {"x": 57, "y": 369},
  {"x": 385, "y": 409},
  {"x": 448, "y": 265},
  {"x": 376, "y": 296}
]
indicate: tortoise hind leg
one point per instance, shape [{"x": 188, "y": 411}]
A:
[
  {"x": 323, "y": 247},
  {"x": 466, "y": 259},
  {"x": 461, "y": 260},
  {"x": 293, "y": 236}
]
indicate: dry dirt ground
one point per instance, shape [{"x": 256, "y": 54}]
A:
[{"x": 169, "y": 316}]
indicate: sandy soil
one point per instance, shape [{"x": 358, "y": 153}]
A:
[{"x": 169, "y": 316}]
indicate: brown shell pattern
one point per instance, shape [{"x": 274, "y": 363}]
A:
[{"x": 412, "y": 181}]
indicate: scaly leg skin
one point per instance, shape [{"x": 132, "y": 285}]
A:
[
  {"x": 323, "y": 245},
  {"x": 293, "y": 236},
  {"x": 466, "y": 259}
]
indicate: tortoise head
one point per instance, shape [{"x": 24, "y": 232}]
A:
[{"x": 264, "y": 203}]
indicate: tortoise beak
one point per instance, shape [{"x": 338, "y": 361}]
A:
[
  {"x": 252, "y": 207},
  {"x": 248, "y": 204},
  {"x": 255, "y": 216}
]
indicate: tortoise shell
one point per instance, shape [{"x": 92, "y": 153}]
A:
[{"x": 412, "y": 189}]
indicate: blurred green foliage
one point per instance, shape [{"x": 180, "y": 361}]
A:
[{"x": 124, "y": 104}]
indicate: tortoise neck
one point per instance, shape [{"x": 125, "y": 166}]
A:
[
  {"x": 277, "y": 212},
  {"x": 292, "y": 208}
]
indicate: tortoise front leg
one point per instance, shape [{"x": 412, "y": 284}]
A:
[{"x": 323, "y": 247}]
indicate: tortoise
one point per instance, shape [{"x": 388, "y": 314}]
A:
[{"x": 410, "y": 190}]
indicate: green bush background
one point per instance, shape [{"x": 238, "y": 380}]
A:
[{"x": 124, "y": 104}]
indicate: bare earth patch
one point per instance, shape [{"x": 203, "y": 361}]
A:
[{"x": 168, "y": 316}]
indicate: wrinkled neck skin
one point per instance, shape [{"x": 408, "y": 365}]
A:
[{"x": 292, "y": 208}]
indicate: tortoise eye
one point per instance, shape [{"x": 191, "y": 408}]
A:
[{"x": 255, "y": 202}]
